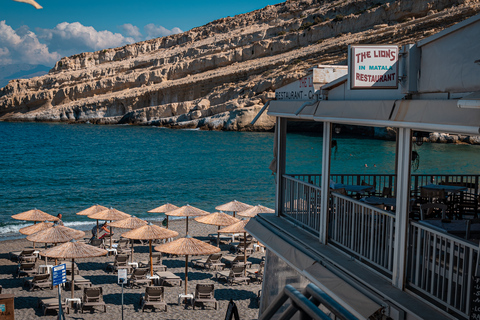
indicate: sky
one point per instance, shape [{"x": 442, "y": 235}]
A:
[{"x": 64, "y": 28}]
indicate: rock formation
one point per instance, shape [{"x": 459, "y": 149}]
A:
[{"x": 218, "y": 76}]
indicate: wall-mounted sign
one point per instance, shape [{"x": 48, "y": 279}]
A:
[
  {"x": 301, "y": 89},
  {"x": 373, "y": 67}
]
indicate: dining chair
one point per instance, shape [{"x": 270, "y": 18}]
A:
[{"x": 427, "y": 209}]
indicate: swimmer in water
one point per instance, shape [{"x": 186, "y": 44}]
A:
[{"x": 366, "y": 165}]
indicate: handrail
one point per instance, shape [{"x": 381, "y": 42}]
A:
[{"x": 306, "y": 302}]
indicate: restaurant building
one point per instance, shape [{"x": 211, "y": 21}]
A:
[{"x": 361, "y": 238}]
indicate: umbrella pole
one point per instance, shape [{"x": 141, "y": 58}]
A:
[
  {"x": 33, "y": 244},
  {"x": 73, "y": 277},
  {"x": 187, "y": 230},
  {"x": 97, "y": 229},
  {"x": 186, "y": 273},
  {"x": 111, "y": 235},
  {"x": 151, "y": 259},
  {"x": 167, "y": 222},
  {"x": 218, "y": 237},
  {"x": 131, "y": 256},
  {"x": 245, "y": 254},
  {"x": 46, "y": 262}
]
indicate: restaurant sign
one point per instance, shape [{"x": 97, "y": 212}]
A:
[
  {"x": 373, "y": 67},
  {"x": 302, "y": 89}
]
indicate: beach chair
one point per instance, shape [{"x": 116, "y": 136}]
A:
[
  {"x": 80, "y": 282},
  {"x": 39, "y": 281},
  {"x": 97, "y": 243},
  {"x": 157, "y": 262},
  {"x": 51, "y": 304},
  {"x": 68, "y": 265},
  {"x": 204, "y": 293},
  {"x": 429, "y": 209},
  {"x": 26, "y": 269},
  {"x": 92, "y": 297},
  {"x": 138, "y": 276},
  {"x": 212, "y": 261},
  {"x": 123, "y": 246},
  {"x": 167, "y": 277},
  {"x": 239, "y": 248},
  {"x": 256, "y": 274},
  {"x": 153, "y": 297},
  {"x": 27, "y": 256},
  {"x": 236, "y": 274},
  {"x": 120, "y": 262},
  {"x": 231, "y": 260}
]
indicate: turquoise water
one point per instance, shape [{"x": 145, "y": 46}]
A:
[{"x": 61, "y": 168}]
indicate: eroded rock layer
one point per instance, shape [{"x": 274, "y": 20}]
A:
[{"x": 219, "y": 75}]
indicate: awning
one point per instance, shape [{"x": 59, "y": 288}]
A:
[
  {"x": 422, "y": 115},
  {"x": 349, "y": 297},
  {"x": 288, "y": 109}
]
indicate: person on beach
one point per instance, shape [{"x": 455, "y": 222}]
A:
[
  {"x": 103, "y": 227},
  {"x": 59, "y": 222}
]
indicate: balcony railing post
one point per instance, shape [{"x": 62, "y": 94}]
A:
[
  {"x": 325, "y": 182},
  {"x": 281, "y": 143},
  {"x": 402, "y": 209}
]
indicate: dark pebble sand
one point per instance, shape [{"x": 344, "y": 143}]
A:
[{"x": 245, "y": 296}]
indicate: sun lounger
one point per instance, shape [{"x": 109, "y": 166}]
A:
[
  {"x": 93, "y": 297},
  {"x": 204, "y": 293},
  {"x": 256, "y": 274},
  {"x": 80, "y": 282},
  {"x": 26, "y": 269},
  {"x": 212, "y": 261},
  {"x": 236, "y": 274},
  {"x": 231, "y": 260},
  {"x": 120, "y": 262},
  {"x": 139, "y": 276},
  {"x": 38, "y": 281},
  {"x": 153, "y": 297},
  {"x": 26, "y": 255},
  {"x": 157, "y": 262},
  {"x": 50, "y": 304},
  {"x": 167, "y": 277}
]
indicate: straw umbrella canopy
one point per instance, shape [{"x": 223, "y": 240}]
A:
[
  {"x": 187, "y": 246},
  {"x": 167, "y": 207},
  {"x": 55, "y": 234},
  {"x": 252, "y": 212},
  {"x": 233, "y": 206},
  {"x": 35, "y": 228},
  {"x": 111, "y": 215},
  {"x": 73, "y": 250},
  {"x": 187, "y": 211},
  {"x": 34, "y": 215},
  {"x": 219, "y": 219},
  {"x": 238, "y": 227},
  {"x": 150, "y": 232},
  {"x": 92, "y": 210},
  {"x": 129, "y": 223}
]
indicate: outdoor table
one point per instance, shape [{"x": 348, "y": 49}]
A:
[
  {"x": 389, "y": 202},
  {"x": 354, "y": 188},
  {"x": 112, "y": 251},
  {"x": 444, "y": 187},
  {"x": 77, "y": 301},
  {"x": 134, "y": 264},
  {"x": 45, "y": 267},
  {"x": 187, "y": 296}
]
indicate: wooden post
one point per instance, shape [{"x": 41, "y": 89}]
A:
[
  {"x": 73, "y": 278},
  {"x": 186, "y": 273},
  {"x": 151, "y": 259}
]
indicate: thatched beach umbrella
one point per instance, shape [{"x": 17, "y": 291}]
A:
[
  {"x": 219, "y": 219},
  {"x": 167, "y": 207},
  {"x": 92, "y": 210},
  {"x": 111, "y": 215},
  {"x": 187, "y": 211},
  {"x": 129, "y": 223},
  {"x": 239, "y": 227},
  {"x": 35, "y": 228},
  {"x": 150, "y": 232},
  {"x": 34, "y": 215},
  {"x": 73, "y": 250},
  {"x": 233, "y": 206},
  {"x": 252, "y": 212},
  {"x": 187, "y": 246},
  {"x": 55, "y": 234}
]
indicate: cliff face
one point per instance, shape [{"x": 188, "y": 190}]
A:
[{"x": 219, "y": 75}]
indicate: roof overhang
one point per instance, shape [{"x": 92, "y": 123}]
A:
[{"x": 422, "y": 115}]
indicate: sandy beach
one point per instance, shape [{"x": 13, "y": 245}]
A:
[{"x": 94, "y": 270}]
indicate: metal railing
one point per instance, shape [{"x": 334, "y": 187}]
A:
[
  {"x": 380, "y": 181},
  {"x": 441, "y": 267},
  {"x": 302, "y": 202},
  {"x": 307, "y": 304},
  {"x": 363, "y": 230}
]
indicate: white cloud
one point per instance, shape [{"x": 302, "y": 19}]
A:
[
  {"x": 23, "y": 46},
  {"x": 154, "y": 31},
  {"x": 75, "y": 37},
  {"x": 131, "y": 31}
]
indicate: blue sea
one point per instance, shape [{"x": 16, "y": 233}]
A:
[{"x": 65, "y": 168}]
